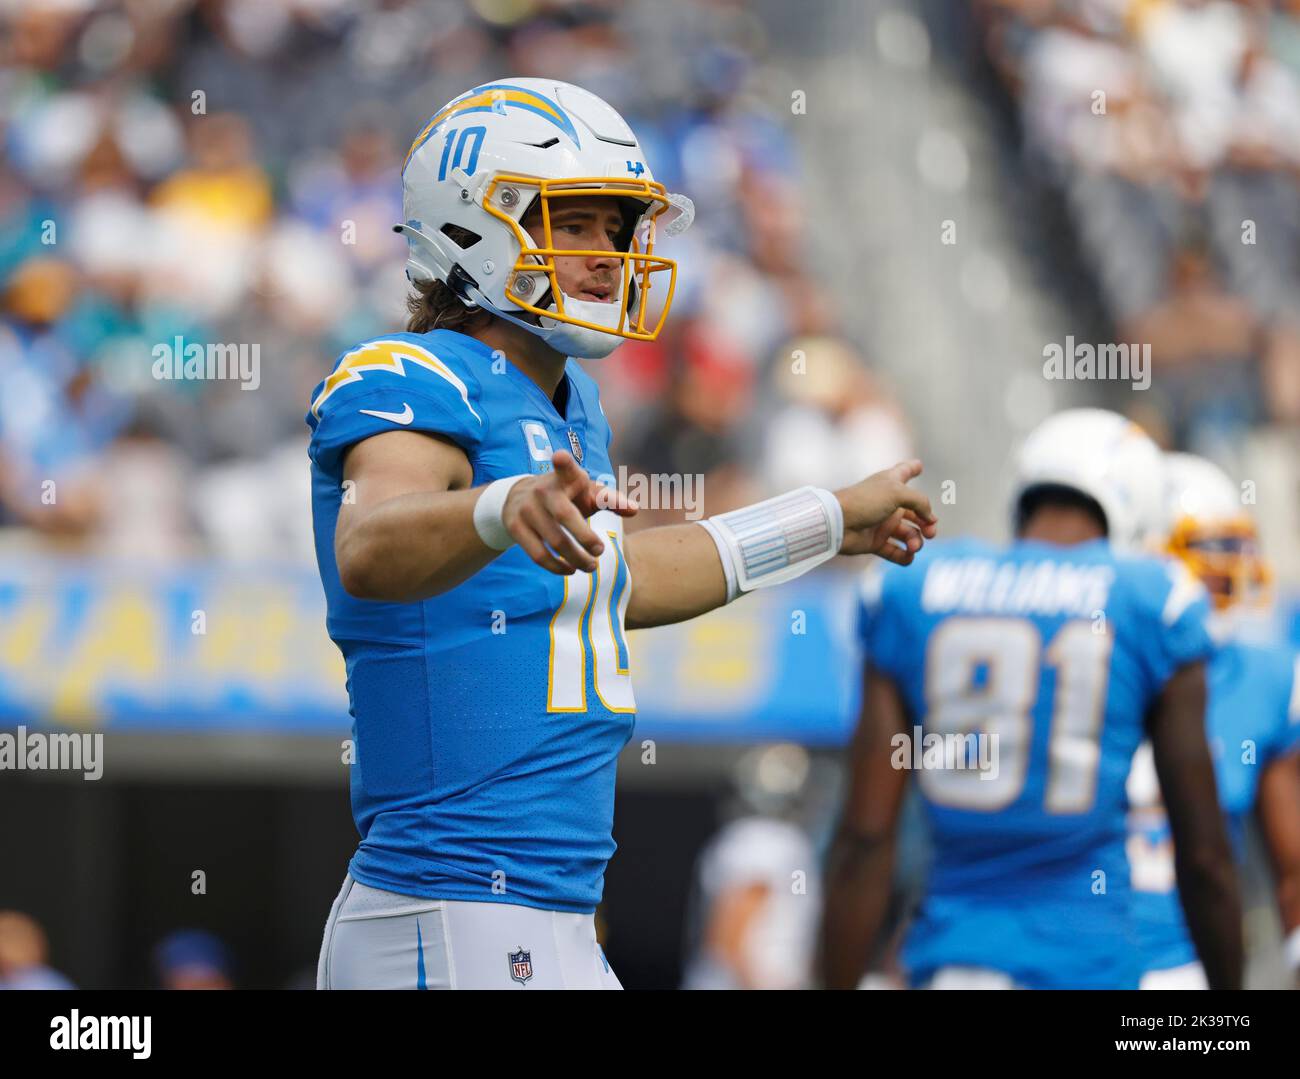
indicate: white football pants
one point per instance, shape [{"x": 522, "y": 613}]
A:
[
  {"x": 380, "y": 940},
  {"x": 969, "y": 978},
  {"x": 1189, "y": 976}
]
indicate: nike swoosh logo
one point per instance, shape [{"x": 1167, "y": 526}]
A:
[{"x": 404, "y": 417}]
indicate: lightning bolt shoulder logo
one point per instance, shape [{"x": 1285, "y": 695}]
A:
[{"x": 390, "y": 356}]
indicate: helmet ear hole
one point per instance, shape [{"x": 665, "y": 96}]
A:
[{"x": 462, "y": 237}]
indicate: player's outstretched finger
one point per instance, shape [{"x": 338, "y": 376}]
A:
[
  {"x": 902, "y": 526},
  {"x": 611, "y": 498},
  {"x": 896, "y": 538},
  {"x": 564, "y": 545},
  {"x": 905, "y": 533},
  {"x": 901, "y": 543},
  {"x": 911, "y": 499},
  {"x": 573, "y": 480},
  {"x": 929, "y": 529},
  {"x": 567, "y": 515},
  {"x": 539, "y": 553},
  {"x": 570, "y": 519},
  {"x": 891, "y": 552},
  {"x": 907, "y": 470}
]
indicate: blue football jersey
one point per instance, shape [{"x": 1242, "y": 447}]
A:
[
  {"x": 1252, "y": 719},
  {"x": 1053, "y": 655},
  {"x": 487, "y": 720}
]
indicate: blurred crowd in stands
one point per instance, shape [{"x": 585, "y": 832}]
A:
[
  {"x": 184, "y": 959},
  {"x": 227, "y": 171},
  {"x": 1171, "y": 129}
]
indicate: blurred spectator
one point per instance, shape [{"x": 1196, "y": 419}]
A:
[
  {"x": 755, "y": 900},
  {"x": 208, "y": 216},
  {"x": 696, "y": 429},
  {"x": 251, "y": 511},
  {"x": 1172, "y": 128},
  {"x": 192, "y": 959},
  {"x": 833, "y": 423},
  {"x": 148, "y": 517},
  {"x": 23, "y": 955},
  {"x": 54, "y": 419},
  {"x": 229, "y": 173},
  {"x": 757, "y": 933}
]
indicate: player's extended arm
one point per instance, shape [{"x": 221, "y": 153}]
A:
[
  {"x": 677, "y": 571},
  {"x": 860, "y": 869},
  {"x": 407, "y": 530},
  {"x": 1207, "y": 878},
  {"x": 1278, "y": 811}
]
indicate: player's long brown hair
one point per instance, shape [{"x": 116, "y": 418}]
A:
[{"x": 433, "y": 306}]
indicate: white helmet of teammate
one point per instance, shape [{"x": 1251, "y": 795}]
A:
[
  {"x": 485, "y": 159},
  {"x": 1209, "y": 529},
  {"x": 1104, "y": 456}
]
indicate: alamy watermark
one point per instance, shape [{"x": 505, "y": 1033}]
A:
[
  {"x": 213, "y": 362},
  {"x": 54, "y": 751},
  {"x": 1106, "y": 362},
  {"x": 114, "y": 1032},
  {"x": 975, "y": 751},
  {"x": 660, "y": 490}
]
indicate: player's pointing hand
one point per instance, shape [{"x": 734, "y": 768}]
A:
[
  {"x": 884, "y": 516},
  {"x": 547, "y": 515}
]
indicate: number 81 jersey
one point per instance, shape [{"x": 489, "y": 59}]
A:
[
  {"x": 487, "y": 720},
  {"x": 1051, "y": 655}
]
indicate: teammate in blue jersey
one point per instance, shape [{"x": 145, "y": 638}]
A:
[
  {"x": 1018, "y": 682},
  {"x": 1253, "y": 719},
  {"x": 471, "y": 546}
]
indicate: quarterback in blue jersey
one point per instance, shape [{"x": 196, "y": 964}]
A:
[
  {"x": 471, "y": 546},
  {"x": 1253, "y": 719},
  {"x": 1018, "y": 682}
]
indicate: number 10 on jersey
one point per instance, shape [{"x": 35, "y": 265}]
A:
[{"x": 587, "y": 627}]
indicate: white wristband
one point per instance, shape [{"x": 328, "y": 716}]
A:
[
  {"x": 777, "y": 540},
  {"x": 487, "y": 513},
  {"x": 724, "y": 553},
  {"x": 1293, "y": 950}
]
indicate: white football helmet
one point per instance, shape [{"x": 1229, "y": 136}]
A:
[
  {"x": 1209, "y": 529},
  {"x": 1106, "y": 457},
  {"x": 483, "y": 161}
]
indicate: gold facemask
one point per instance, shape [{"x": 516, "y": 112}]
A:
[
  {"x": 507, "y": 193},
  {"x": 1225, "y": 557}
]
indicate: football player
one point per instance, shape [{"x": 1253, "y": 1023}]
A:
[
  {"x": 1253, "y": 718},
  {"x": 471, "y": 546},
  {"x": 1019, "y": 681},
  {"x": 756, "y": 897}
]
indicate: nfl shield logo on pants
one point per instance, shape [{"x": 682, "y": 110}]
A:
[{"x": 521, "y": 965}]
